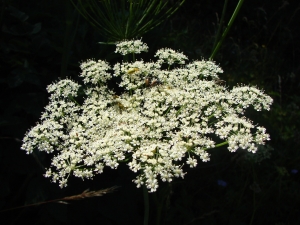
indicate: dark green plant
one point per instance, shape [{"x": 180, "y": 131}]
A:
[{"x": 125, "y": 19}]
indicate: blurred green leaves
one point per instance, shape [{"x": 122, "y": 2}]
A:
[{"x": 125, "y": 19}]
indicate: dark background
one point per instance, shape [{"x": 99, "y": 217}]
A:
[{"x": 41, "y": 41}]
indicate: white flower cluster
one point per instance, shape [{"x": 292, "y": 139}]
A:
[
  {"x": 128, "y": 47},
  {"x": 95, "y": 72},
  {"x": 170, "y": 57},
  {"x": 165, "y": 119}
]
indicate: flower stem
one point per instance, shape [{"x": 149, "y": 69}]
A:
[
  {"x": 146, "y": 205},
  {"x": 221, "y": 144},
  {"x": 158, "y": 208},
  {"x": 236, "y": 11},
  {"x": 220, "y": 24}
]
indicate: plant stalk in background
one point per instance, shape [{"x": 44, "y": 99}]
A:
[
  {"x": 125, "y": 19},
  {"x": 217, "y": 46}
]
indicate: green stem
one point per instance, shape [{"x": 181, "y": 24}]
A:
[
  {"x": 253, "y": 199},
  {"x": 158, "y": 208},
  {"x": 236, "y": 11},
  {"x": 65, "y": 53},
  {"x": 146, "y": 205},
  {"x": 220, "y": 24},
  {"x": 72, "y": 18},
  {"x": 73, "y": 100},
  {"x": 221, "y": 144}
]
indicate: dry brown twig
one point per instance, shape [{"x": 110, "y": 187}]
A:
[
  {"x": 83, "y": 195},
  {"x": 90, "y": 194}
]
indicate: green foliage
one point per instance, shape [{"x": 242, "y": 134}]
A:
[{"x": 123, "y": 19}]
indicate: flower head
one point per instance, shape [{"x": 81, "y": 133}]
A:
[
  {"x": 95, "y": 71},
  {"x": 162, "y": 121},
  {"x": 170, "y": 56},
  {"x": 133, "y": 46}
]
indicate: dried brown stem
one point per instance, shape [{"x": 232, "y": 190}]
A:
[{"x": 84, "y": 194}]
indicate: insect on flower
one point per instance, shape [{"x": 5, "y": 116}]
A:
[
  {"x": 151, "y": 83},
  {"x": 147, "y": 82},
  {"x": 220, "y": 82},
  {"x": 155, "y": 83},
  {"x": 118, "y": 104},
  {"x": 133, "y": 70}
]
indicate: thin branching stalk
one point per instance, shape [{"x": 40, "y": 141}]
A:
[{"x": 236, "y": 11}]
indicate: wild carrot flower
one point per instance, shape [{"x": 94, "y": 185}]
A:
[{"x": 165, "y": 119}]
